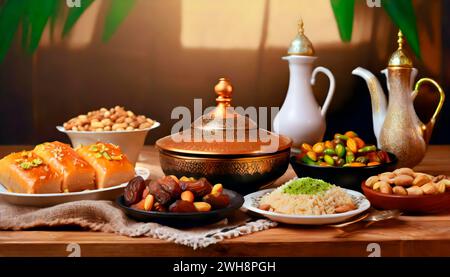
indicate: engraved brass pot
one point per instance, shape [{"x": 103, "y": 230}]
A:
[{"x": 252, "y": 158}]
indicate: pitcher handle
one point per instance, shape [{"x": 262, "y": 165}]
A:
[
  {"x": 330, "y": 94},
  {"x": 430, "y": 125}
]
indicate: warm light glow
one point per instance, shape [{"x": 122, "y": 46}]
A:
[
  {"x": 82, "y": 33},
  {"x": 238, "y": 24},
  {"x": 318, "y": 17},
  {"x": 226, "y": 24}
]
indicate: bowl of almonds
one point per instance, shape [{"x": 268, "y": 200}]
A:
[
  {"x": 408, "y": 191},
  {"x": 115, "y": 125}
]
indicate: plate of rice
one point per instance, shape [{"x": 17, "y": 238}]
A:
[{"x": 307, "y": 201}]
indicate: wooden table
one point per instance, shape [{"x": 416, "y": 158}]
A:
[{"x": 408, "y": 236}]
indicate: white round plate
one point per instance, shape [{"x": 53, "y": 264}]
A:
[
  {"x": 50, "y": 199},
  {"x": 251, "y": 204}
]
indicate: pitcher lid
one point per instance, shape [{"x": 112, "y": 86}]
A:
[
  {"x": 399, "y": 57},
  {"x": 301, "y": 45}
]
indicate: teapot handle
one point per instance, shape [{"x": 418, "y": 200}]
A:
[
  {"x": 430, "y": 125},
  {"x": 330, "y": 94}
]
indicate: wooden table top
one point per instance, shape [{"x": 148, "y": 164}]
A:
[{"x": 407, "y": 236}]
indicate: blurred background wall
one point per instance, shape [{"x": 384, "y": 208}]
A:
[{"x": 168, "y": 52}]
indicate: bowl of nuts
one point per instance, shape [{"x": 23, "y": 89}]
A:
[
  {"x": 116, "y": 125},
  {"x": 408, "y": 191}
]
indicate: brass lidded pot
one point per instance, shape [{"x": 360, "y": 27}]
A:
[{"x": 226, "y": 147}]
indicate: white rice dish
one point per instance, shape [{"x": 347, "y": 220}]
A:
[{"x": 307, "y": 196}]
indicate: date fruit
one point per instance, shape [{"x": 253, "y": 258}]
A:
[
  {"x": 217, "y": 201},
  {"x": 199, "y": 188},
  {"x": 133, "y": 191},
  {"x": 161, "y": 196},
  {"x": 171, "y": 186},
  {"x": 181, "y": 206}
]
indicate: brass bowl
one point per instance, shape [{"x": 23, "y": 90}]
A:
[{"x": 243, "y": 174}]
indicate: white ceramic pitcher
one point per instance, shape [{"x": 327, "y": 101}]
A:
[{"x": 300, "y": 117}]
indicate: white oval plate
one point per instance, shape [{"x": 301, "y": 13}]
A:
[
  {"x": 251, "y": 204},
  {"x": 50, "y": 199}
]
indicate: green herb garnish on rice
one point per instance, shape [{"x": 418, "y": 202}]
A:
[{"x": 308, "y": 186}]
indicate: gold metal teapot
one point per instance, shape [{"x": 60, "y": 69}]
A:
[{"x": 396, "y": 124}]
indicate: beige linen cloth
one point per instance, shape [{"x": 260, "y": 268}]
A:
[{"x": 105, "y": 216}]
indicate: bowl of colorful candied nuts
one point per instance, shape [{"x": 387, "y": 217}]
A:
[
  {"x": 115, "y": 125},
  {"x": 409, "y": 191},
  {"x": 346, "y": 160}
]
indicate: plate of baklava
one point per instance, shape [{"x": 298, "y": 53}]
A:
[{"x": 54, "y": 173}]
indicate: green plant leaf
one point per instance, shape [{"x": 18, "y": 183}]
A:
[
  {"x": 74, "y": 15},
  {"x": 10, "y": 14},
  {"x": 117, "y": 12},
  {"x": 54, "y": 18},
  {"x": 344, "y": 11},
  {"x": 403, "y": 15},
  {"x": 38, "y": 13}
]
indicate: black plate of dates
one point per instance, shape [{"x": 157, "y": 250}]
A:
[{"x": 184, "y": 202}]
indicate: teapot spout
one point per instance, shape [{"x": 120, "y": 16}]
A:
[{"x": 378, "y": 99}]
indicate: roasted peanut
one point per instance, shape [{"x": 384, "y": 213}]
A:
[
  {"x": 115, "y": 119},
  {"x": 139, "y": 206},
  {"x": 187, "y": 196},
  {"x": 387, "y": 176},
  {"x": 445, "y": 182},
  {"x": 149, "y": 201},
  {"x": 429, "y": 189},
  {"x": 399, "y": 190},
  {"x": 319, "y": 147},
  {"x": 185, "y": 179},
  {"x": 202, "y": 206},
  {"x": 440, "y": 187},
  {"x": 403, "y": 180},
  {"x": 371, "y": 181},
  {"x": 421, "y": 180},
  {"x": 217, "y": 189},
  {"x": 404, "y": 171},
  {"x": 385, "y": 188},
  {"x": 377, "y": 186},
  {"x": 414, "y": 190}
]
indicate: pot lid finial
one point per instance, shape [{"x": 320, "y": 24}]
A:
[
  {"x": 399, "y": 58},
  {"x": 301, "y": 45}
]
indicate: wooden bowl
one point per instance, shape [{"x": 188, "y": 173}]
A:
[{"x": 416, "y": 204}]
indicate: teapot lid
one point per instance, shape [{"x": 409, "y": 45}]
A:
[
  {"x": 301, "y": 45},
  {"x": 223, "y": 131},
  {"x": 399, "y": 58}
]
